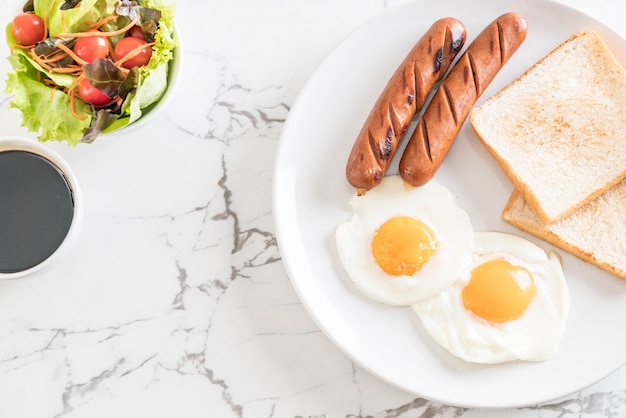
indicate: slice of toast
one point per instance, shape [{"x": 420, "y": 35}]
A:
[
  {"x": 594, "y": 233},
  {"x": 559, "y": 130}
]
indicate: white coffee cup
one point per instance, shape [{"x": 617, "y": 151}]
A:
[{"x": 29, "y": 203}]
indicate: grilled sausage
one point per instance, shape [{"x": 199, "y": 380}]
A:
[
  {"x": 403, "y": 96},
  {"x": 456, "y": 96}
]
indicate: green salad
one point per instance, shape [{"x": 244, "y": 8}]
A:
[{"x": 84, "y": 67}]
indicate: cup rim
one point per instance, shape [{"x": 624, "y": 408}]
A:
[{"x": 17, "y": 143}]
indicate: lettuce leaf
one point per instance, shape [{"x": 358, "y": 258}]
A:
[
  {"x": 45, "y": 108},
  {"x": 63, "y": 80},
  {"x": 77, "y": 19}
]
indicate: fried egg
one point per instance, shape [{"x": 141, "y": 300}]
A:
[
  {"x": 511, "y": 304},
  {"x": 401, "y": 245}
]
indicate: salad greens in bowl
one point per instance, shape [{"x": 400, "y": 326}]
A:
[{"x": 81, "y": 68}]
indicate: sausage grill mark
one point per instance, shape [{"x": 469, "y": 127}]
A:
[
  {"x": 425, "y": 138},
  {"x": 456, "y": 45},
  {"x": 385, "y": 151},
  {"x": 474, "y": 71},
  {"x": 501, "y": 43},
  {"x": 418, "y": 86},
  {"x": 450, "y": 101},
  {"x": 439, "y": 58}
]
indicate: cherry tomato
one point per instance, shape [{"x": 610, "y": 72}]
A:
[
  {"x": 126, "y": 45},
  {"x": 92, "y": 47},
  {"x": 28, "y": 29},
  {"x": 136, "y": 32},
  {"x": 92, "y": 95}
]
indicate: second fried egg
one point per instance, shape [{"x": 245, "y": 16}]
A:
[{"x": 511, "y": 304}]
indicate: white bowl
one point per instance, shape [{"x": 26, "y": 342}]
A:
[
  {"x": 14, "y": 143},
  {"x": 11, "y": 8}
]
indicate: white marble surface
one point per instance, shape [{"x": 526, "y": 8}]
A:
[{"x": 175, "y": 302}]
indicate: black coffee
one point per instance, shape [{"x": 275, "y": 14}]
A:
[{"x": 36, "y": 210}]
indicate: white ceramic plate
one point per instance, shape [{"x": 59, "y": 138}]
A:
[{"x": 311, "y": 195}]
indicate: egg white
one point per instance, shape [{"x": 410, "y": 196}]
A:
[
  {"x": 432, "y": 204},
  {"x": 534, "y": 336}
]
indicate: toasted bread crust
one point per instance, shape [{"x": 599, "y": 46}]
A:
[{"x": 580, "y": 234}]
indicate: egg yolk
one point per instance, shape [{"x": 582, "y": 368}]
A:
[
  {"x": 402, "y": 245},
  {"x": 498, "y": 291}
]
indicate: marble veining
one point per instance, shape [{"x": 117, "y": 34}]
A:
[{"x": 175, "y": 303}]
